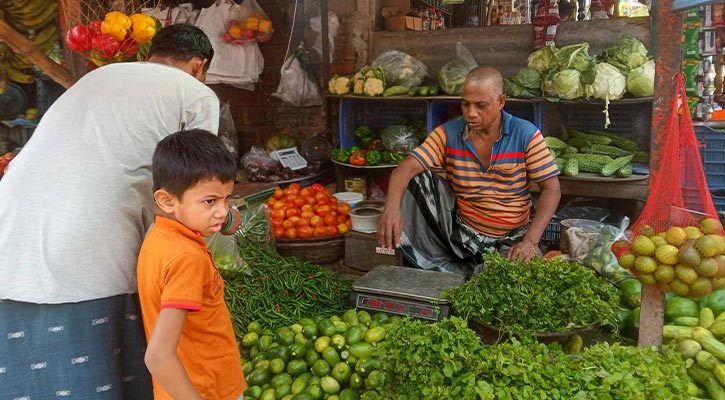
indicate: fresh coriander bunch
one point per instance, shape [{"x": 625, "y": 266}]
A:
[{"x": 536, "y": 296}]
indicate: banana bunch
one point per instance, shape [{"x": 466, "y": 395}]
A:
[
  {"x": 30, "y": 15},
  {"x": 37, "y": 19}
]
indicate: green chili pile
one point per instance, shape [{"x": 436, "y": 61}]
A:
[{"x": 278, "y": 291}]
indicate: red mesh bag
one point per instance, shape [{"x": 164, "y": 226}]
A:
[
  {"x": 679, "y": 184},
  {"x": 678, "y": 241}
]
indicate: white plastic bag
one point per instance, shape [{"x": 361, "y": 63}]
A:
[
  {"x": 239, "y": 66},
  {"x": 227, "y": 129},
  {"x": 333, "y": 23},
  {"x": 297, "y": 81}
]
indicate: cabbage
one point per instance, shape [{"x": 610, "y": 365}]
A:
[
  {"x": 529, "y": 78},
  {"x": 641, "y": 80},
  {"x": 513, "y": 89},
  {"x": 543, "y": 59},
  {"x": 575, "y": 56},
  {"x": 609, "y": 83},
  {"x": 567, "y": 84},
  {"x": 627, "y": 53},
  {"x": 401, "y": 69},
  {"x": 453, "y": 73}
]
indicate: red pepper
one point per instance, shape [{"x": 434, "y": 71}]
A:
[
  {"x": 78, "y": 38},
  {"x": 105, "y": 44},
  {"x": 377, "y": 144},
  {"x": 129, "y": 47},
  {"x": 357, "y": 159},
  {"x": 95, "y": 27}
]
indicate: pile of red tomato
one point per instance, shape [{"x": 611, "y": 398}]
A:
[{"x": 297, "y": 212}]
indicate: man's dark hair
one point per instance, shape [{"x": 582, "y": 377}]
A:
[
  {"x": 565, "y": 9},
  {"x": 182, "y": 42},
  {"x": 184, "y": 158}
]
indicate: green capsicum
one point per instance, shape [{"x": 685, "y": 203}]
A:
[
  {"x": 340, "y": 155},
  {"x": 396, "y": 157},
  {"x": 374, "y": 157}
]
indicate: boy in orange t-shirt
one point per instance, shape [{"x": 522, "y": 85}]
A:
[{"x": 192, "y": 352}]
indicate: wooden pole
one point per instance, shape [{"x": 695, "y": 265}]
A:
[
  {"x": 24, "y": 47},
  {"x": 666, "y": 40}
]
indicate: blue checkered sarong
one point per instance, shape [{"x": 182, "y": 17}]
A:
[{"x": 92, "y": 350}]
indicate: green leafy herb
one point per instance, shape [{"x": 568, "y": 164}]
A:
[{"x": 536, "y": 296}]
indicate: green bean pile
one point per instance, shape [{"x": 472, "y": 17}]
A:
[{"x": 278, "y": 291}]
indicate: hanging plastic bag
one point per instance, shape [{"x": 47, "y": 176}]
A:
[
  {"x": 453, "y": 73},
  {"x": 678, "y": 240},
  {"x": 315, "y": 24},
  {"x": 227, "y": 129},
  {"x": 401, "y": 69},
  {"x": 297, "y": 85},
  {"x": 254, "y": 20},
  {"x": 238, "y": 66}
]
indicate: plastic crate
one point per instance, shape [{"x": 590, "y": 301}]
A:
[
  {"x": 551, "y": 235},
  {"x": 712, "y": 152},
  {"x": 632, "y": 119},
  {"x": 441, "y": 111},
  {"x": 376, "y": 114},
  {"x": 15, "y": 136}
]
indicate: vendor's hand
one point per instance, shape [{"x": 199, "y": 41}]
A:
[
  {"x": 390, "y": 229},
  {"x": 524, "y": 250}
]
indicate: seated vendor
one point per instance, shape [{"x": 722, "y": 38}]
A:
[{"x": 490, "y": 158}]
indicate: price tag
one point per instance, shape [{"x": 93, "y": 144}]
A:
[{"x": 385, "y": 250}]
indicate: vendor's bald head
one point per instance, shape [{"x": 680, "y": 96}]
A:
[{"x": 485, "y": 75}]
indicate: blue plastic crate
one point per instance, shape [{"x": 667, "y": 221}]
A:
[
  {"x": 441, "y": 111},
  {"x": 377, "y": 114},
  {"x": 551, "y": 235},
  {"x": 629, "y": 119},
  {"x": 712, "y": 152}
]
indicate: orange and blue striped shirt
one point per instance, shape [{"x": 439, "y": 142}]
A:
[{"x": 494, "y": 200}]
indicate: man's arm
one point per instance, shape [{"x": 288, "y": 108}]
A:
[
  {"x": 527, "y": 248},
  {"x": 390, "y": 226},
  {"x": 162, "y": 360}
]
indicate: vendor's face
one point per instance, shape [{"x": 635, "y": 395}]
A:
[{"x": 481, "y": 104}]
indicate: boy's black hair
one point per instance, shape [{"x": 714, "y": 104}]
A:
[
  {"x": 565, "y": 9},
  {"x": 182, "y": 42},
  {"x": 184, "y": 158}
]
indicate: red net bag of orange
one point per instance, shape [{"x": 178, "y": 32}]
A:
[{"x": 678, "y": 240}]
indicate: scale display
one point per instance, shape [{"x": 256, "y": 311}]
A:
[{"x": 397, "y": 306}]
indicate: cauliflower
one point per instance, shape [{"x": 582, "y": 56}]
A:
[
  {"x": 339, "y": 85},
  {"x": 373, "y": 87},
  {"x": 358, "y": 85}
]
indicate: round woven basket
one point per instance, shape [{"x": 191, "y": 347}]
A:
[
  {"x": 491, "y": 334},
  {"x": 319, "y": 250}
]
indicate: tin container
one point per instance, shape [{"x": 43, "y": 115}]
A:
[{"x": 356, "y": 184}]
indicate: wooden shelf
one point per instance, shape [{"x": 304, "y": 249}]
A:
[{"x": 632, "y": 190}]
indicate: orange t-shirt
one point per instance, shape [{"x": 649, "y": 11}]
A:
[{"x": 175, "y": 270}]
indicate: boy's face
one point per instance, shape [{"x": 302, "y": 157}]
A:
[{"x": 203, "y": 207}]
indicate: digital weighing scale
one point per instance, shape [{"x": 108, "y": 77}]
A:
[{"x": 404, "y": 291}]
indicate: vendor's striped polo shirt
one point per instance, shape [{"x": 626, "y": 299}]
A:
[{"x": 496, "y": 200}]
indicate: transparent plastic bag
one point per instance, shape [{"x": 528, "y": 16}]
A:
[
  {"x": 297, "y": 81},
  {"x": 601, "y": 258},
  {"x": 401, "y": 69},
  {"x": 227, "y": 129},
  {"x": 258, "y": 157},
  {"x": 256, "y": 228},
  {"x": 224, "y": 250},
  {"x": 453, "y": 73},
  {"x": 250, "y": 8},
  {"x": 315, "y": 25},
  {"x": 399, "y": 138}
]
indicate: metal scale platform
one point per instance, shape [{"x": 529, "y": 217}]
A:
[{"x": 404, "y": 291}]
